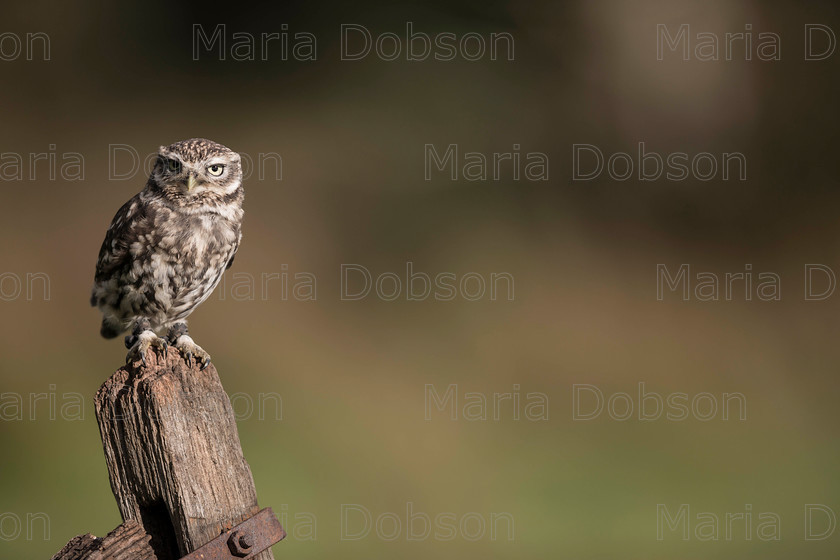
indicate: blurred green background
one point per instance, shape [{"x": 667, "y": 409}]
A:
[{"x": 352, "y": 375}]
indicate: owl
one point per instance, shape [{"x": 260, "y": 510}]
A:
[{"x": 168, "y": 247}]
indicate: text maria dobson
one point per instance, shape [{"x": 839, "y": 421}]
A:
[
  {"x": 357, "y": 42},
  {"x": 684, "y": 282}
]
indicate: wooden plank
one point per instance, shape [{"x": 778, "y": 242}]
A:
[
  {"x": 173, "y": 453},
  {"x": 127, "y": 542}
]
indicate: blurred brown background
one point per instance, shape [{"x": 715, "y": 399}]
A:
[{"x": 352, "y": 375}]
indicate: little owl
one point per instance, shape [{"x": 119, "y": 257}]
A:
[{"x": 167, "y": 248}]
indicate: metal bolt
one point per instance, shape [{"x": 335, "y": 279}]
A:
[{"x": 239, "y": 543}]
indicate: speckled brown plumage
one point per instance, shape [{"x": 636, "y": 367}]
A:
[{"x": 168, "y": 246}]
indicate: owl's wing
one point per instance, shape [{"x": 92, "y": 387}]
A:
[
  {"x": 124, "y": 230},
  {"x": 235, "y": 249}
]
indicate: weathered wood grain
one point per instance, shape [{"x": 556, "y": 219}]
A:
[
  {"x": 127, "y": 542},
  {"x": 173, "y": 453}
]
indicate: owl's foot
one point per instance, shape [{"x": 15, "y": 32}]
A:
[
  {"x": 140, "y": 340},
  {"x": 180, "y": 339}
]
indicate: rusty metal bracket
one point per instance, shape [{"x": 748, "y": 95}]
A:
[{"x": 244, "y": 541}]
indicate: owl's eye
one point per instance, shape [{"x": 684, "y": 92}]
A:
[
  {"x": 174, "y": 165},
  {"x": 215, "y": 169}
]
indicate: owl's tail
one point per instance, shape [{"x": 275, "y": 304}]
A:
[{"x": 111, "y": 327}]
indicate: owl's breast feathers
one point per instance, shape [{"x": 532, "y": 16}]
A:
[{"x": 159, "y": 261}]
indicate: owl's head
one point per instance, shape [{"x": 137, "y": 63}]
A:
[{"x": 197, "y": 171}]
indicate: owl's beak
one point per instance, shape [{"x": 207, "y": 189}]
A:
[{"x": 191, "y": 182}]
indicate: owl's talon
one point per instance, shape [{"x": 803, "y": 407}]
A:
[
  {"x": 141, "y": 344},
  {"x": 193, "y": 353},
  {"x": 176, "y": 331},
  {"x": 205, "y": 363}
]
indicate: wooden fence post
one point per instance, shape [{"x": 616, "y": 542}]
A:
[
  {"x": 174, "y": 459},
  {"x": 173, "y": 453}
]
